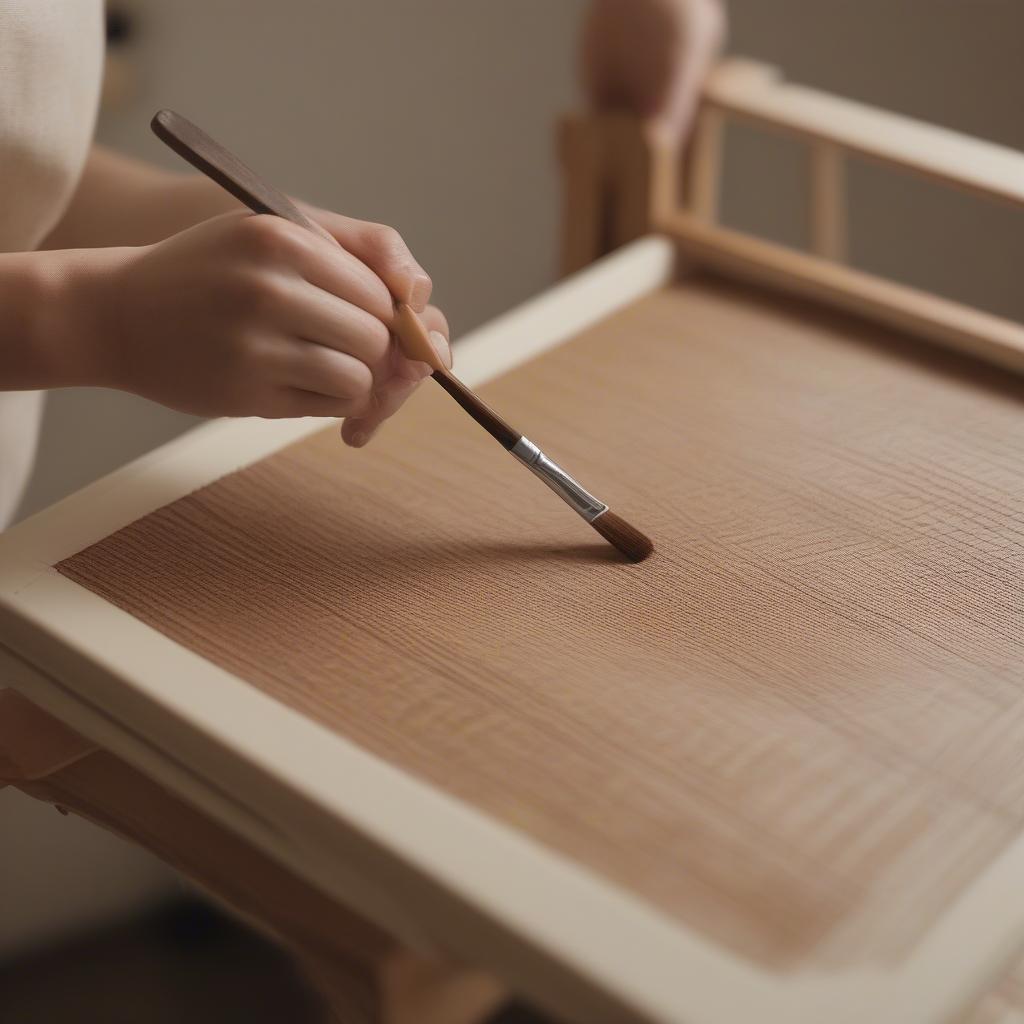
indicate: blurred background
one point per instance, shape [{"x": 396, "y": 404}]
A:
[{"x": 438, "y": 117}]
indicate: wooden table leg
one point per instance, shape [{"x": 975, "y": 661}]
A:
[
  {"x": 365, "y": 976},
  {"x": 403, "y": 989}
]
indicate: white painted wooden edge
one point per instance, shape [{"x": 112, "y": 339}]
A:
[
  {"x": 555, "y": 316},
  {"x": 757, "y": 92}
]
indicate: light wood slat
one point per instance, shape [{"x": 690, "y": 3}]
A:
[
  {"x": 827, "y": 202},
  {"x": 756, "y": 92},
  {"x": 951, "y": 324},
  {"x": 704, "y": 180}
]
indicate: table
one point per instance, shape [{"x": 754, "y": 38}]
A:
[{"x": 400, "y": 700}]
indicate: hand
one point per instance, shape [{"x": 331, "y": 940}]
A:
[
  {"x": 247, "y": 315},
  {"x": 383, "y": 250},
  {"x": 651, "y": 56}
]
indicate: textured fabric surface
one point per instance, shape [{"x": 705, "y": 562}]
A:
[
  {"x": 798, "y": 727},
  {"x": 50, "y": 61}
]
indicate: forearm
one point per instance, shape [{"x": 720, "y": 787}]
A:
[
  {"x": 121, "y": 201},
  {"x": 49, "y": 326},
  {"x": 24, "y": 361}
]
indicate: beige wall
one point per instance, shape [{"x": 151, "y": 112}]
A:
[
  {"x": 436, "y": 116},
  {"x": 951, "y": 62}
]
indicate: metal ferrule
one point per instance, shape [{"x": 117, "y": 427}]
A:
[{"x": 558, "y": 480}]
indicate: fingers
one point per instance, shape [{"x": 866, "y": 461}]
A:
[
  {"x": 318, "y": 316},
  {"x": 314, "y": 315},
  {"x": 406, "y": 376},
  {"x": 340, "y": 359},
  {"x": 358, "y": 431},
  {"x": 383, "y": 250},
  {"x": 295, "y": 403},
  {"x": 344, "y": 275},
  {"x": 341, "y": 377},
  {"x": 333, "y": 359},
  {"x": 436, "y": 324},
  {"x": 273, "y": 242}
]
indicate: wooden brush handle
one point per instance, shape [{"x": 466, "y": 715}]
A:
[
  {"x": 415, "y": 342},
  {"x": 212, "y": 159},
  {"x": 505, "y": 435}
]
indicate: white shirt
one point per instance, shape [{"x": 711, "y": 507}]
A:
[{"x": 51, "y": 58}]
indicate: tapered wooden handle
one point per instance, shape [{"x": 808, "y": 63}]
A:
[{"x": 212, "y": 159}]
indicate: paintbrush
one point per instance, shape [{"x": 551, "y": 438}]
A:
[{"x": 210, "y": 157}]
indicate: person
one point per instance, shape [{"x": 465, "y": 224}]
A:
[
  {"x": 113, "y": 273},
  {"x": 650, "y": 57}
]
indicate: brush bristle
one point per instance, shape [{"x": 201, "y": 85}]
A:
[{"x": 628, "y": 539}]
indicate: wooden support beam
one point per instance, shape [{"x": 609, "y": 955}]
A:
[
  {"x": 365, "y": 976},
  {"x": 950, "y": 324},
  {"x": 618, "y": 181},
  {"x": 827, "y": 200}
]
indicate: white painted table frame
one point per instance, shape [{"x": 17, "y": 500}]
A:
[
  {"x": 430, "y": 870},
  {"x": 435, "y": 873}
]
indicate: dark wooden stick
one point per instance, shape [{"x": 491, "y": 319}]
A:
[
  {"x": 505, "y": 435},
  {"x": 207, "y": 155}
]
